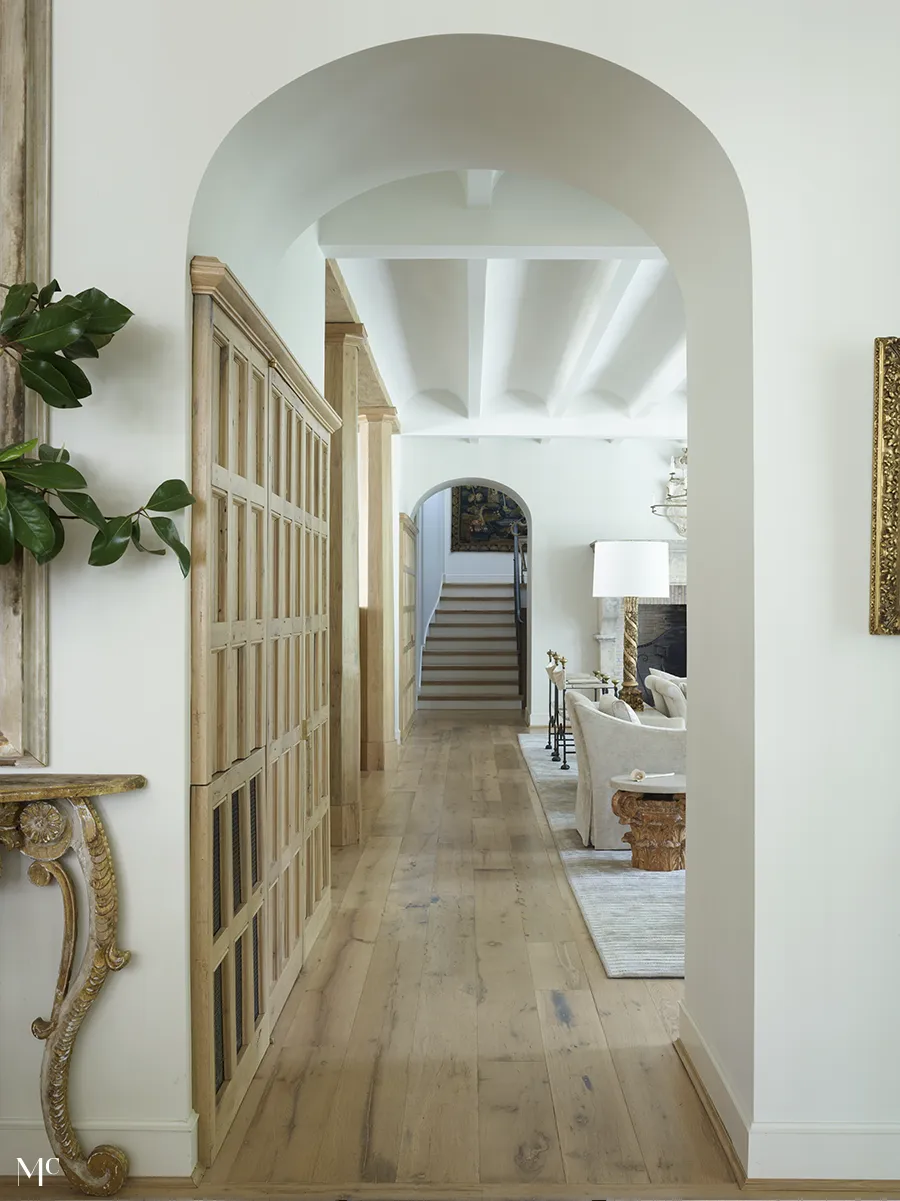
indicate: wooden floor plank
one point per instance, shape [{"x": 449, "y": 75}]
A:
[
  {"x": 595, "y": 1128},
  {"x": 453, "y": 1032}
]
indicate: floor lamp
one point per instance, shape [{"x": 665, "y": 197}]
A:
[{"x": 631, "y": 570}]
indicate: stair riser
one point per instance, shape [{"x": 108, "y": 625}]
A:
[
  {"x": 465, "y": 644},
  {"x": 470, "y": 659},
  {"x": 484, "y": 675},
  {"x": 496, "y": 689},
  {"x": 439, "y": 704},
  {"x": 491, "y": 604},
  {"x": 477, "y": 590},
  {"x": 462, "y": 617}
]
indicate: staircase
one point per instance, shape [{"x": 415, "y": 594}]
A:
[{"x": 470, "y": 660}]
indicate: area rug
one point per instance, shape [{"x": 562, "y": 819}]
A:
[{"x": 635, "y": 918}]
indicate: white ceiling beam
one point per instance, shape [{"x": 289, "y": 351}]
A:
[
  {"x": 485, "y": 250},
  {"x": 670, "y": 375},
  {"x": 601, "y": 300},
  {"x": 668, "y": 423},
  {"x": 479, "y": 186},
  {"x": 629, "y": 291},
  {"x": 476, "y": 294}
]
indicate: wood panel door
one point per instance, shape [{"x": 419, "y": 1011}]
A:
[
  {"x": 409, "y": 536},
  {"x": 260, "y": 845}
]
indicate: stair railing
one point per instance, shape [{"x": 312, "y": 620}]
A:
[{"x": 519, "y": 579}]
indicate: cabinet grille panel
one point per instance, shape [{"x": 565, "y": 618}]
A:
[
  {"x": 260, "y": 690},
  {"x": 217, "y": 871},
  {"x": 239, "y": 994},
  {"x": 237, "y": 884},
  {"x": 219, "y": 1028}
]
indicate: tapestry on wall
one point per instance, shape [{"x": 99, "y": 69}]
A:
[{"x": 484, "y": 519}]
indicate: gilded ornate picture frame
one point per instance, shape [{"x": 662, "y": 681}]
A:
[{"x": 884, "y": 598}]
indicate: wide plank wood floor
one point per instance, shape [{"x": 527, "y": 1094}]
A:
[{"x": 454, "y": 1025}]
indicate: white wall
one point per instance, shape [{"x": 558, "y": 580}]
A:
[
  {"x": 297, "y": 306},
  {"x": 432, "y": 544},
  {"x": 575, "y": 491},
  {"x": 801, "y": 1056}
]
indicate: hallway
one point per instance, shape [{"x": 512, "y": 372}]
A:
[{"x": 454, "y": 1024}]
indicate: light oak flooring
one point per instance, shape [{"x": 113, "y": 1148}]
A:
[{"x": 454, "y": 1026}]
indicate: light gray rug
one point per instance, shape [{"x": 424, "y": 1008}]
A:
[{"x": 635, "y": 918}]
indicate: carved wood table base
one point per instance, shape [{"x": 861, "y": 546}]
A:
[
  {"x": 657, "y": 834},
  {"x": 43, "y": 817}
]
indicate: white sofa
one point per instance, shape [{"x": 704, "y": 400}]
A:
[
  {"x": 608, "y": 745},
  {"x": 669, "y": 693}
]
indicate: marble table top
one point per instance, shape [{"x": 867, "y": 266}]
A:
[{"x": 650, "y": 784}]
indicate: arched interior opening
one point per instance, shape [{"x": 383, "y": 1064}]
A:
[{"x": 465, "y": 103}]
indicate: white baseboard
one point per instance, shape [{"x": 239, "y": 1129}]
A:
[
  {"x": 153, "y": 1148},
  {"x": 824, "y": 1151},
  {"x": 730, "y": 1111}
]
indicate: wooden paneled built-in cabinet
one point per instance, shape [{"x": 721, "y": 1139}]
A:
[{"x": 260, "y": 870}]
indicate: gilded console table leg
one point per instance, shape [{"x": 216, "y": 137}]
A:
[{"x": 45, "y": 834}]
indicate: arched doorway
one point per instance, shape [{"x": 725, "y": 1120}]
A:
[
  {"x": 490, "y": 587},
  {"x": 542, "y": 118}
]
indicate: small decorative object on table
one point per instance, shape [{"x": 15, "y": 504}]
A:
[
  {"x": 654, "y": 807},
  {"x": 33, "y": 822}
]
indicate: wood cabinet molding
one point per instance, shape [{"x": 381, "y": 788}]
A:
[
  {"x": 211, "y": 277},
  {"x": 24, "y": 254}
]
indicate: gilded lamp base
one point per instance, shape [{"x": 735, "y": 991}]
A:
[{"x": 631, "y": 693}]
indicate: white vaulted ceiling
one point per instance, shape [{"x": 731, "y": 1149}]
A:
[{"x": 496, "y": 305}]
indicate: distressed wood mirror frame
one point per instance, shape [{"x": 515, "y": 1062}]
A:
[
  {"x": 884, "y": 603},
  {"x": 24, "y": 254}
]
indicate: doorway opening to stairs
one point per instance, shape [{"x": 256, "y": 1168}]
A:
[{"x": 472, "y": 635}]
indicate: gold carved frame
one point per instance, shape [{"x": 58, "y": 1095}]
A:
[{"x": 884, "y": 601}]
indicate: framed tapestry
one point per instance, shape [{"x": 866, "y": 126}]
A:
[
  {"x": 484, "y": 518},
  {"x": 884, "y": 602}
]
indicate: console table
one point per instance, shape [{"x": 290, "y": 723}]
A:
[
  {"x": 43, "y": 817},
  {"x": 655, "y": 809}
]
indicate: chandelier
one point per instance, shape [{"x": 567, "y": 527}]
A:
[{"x": 674, "y": 507}]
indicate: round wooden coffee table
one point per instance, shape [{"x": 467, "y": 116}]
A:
[{"x": 654, "y": 808}]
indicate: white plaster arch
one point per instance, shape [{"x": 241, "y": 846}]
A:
[
  {"x": 538, "y": 108},
  {"x": 475, "y": 478}
]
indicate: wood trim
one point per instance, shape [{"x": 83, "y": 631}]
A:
[
  {"x": 25, "y": 47},
  {"x": 211, "y": 277},
  {"x": 712, "y": 1113}
]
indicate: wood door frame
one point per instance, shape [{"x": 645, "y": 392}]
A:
[{"x": 25, "y": 77}]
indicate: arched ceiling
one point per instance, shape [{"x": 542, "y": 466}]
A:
[{"x": 499, "y": 304}]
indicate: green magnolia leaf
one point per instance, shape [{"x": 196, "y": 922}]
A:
[
  {"x": 49, "y": 382},
  {"x": 31, "y": 521},
  {"x": 166, "y": 529},
  {"x": 17, "y": 450},
  {"x": 52, "y": 454},
  {"x": 2, "y": 493},
  {"x": 83, "y": 506},
  {"x": 46, "y": 475},
  {"x": 107, "y": 316},
  {"x": 47, "y": 293},
  {"x": 16, "y": 305},
  {"x": 136, "y": 539},
  {"x": 59, "y": 538},
  {"x": 83, "y": 348},
  {"x": 75, "y": 377},
  {"x": 54, "y": 327},
  {"x": 7, "y": 537},
  {"x": 110, "y": 544},
  {"x": 99, "y": 340},
  {"x": 170, "y": 496}
]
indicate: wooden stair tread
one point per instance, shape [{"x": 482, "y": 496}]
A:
[{"x": 465, "y": 696}]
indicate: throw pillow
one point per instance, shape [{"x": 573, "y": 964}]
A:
[{"x": 624, "y": 712}]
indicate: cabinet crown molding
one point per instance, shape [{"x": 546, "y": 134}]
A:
[{"x": 211, "y": 277}]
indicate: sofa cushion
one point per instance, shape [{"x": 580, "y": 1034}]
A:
[
  {"x": 681, "y": 681},
  {"x": 624, "y": 712},
  {"x": 650, "y": 717}
]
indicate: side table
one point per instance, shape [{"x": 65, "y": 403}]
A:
[
  {"x": 655, "y": 809},
  {"x": 43, "y": 817}
]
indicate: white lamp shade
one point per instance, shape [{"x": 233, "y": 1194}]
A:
[{"x": 631, "y": 569}]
